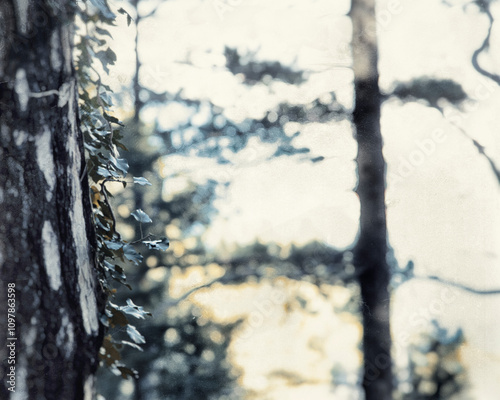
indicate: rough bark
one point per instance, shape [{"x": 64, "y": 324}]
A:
[
  {"x": 371, "y": 247},
  {"x": 45, "y": 214}
]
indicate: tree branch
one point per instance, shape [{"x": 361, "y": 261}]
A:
[
  {"x": 480, "y": 148},
  {"x": 459, "y": 285},
  {"x": 226, "y": 278},
  {"x": 485, "y": 7}
]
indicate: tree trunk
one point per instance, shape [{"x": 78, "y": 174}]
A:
[
  {"x": 371, "y": 247},
  {"x": 46, "y": 263}
]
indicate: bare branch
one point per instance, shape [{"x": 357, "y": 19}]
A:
[
  {"x": 480, "y": 148},
  {"x": 226, "y": 278},
  {"x": 484, "y": 5},
  {"x": 459, "y": 285}
]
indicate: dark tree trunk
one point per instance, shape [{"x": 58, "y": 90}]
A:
[
  {"x": 371, "y": 248},
  {"x": 45, "y": 214}
]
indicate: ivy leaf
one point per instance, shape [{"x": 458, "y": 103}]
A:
[
  {"x": 126, "y": 372},
  {"x": 106, "y": 57},
  {"x": 107, "y": 101},
  {"x": 134, "y": 310},
  {"x": 129, "y": 18},
  {"x": 141, "y": 216},
  {"x": 120, "y": 164},
  {"x": 159, "y": 244},
  {"x": 132, "y": 345},
  {"x": 111, "y": 354},
  {"x": 103, "y": 172},
  {"x": 131, "y": 254},
  {"x": 113, "y": 245},
  {"x": 317, "y": 159},
  {"x": 110, "y": 118},
  {"x": 141, "y": 181},
  {"x": 119, "y": 318},
  {"x": 103, "y": 32},
  {"x": 102, "y": 6},
  {"x": 135, "y": 335}
]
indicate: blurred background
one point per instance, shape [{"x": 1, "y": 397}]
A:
[{"x": 239, "y": 114}]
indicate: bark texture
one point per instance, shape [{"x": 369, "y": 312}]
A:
[
  {"x": 45, "y": 214},
  {"x": 371, "y": 247}
]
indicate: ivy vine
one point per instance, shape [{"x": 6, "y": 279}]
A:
[{"x": 102, "y": 140}]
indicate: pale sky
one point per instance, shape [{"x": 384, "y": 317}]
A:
[{"x": 443, "y": 212}]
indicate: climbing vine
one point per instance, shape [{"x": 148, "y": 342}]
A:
[{"x": 102, "y": 133}]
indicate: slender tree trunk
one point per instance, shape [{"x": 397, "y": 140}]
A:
[
  {"x": 371, "y": 248},
  {"x": 45, "y": 214}
]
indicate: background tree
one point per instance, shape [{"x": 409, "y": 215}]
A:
[
  {"x": 45, "y": 229},
  {"x": 216, "y": 134},
  {"x": 434, "y": 365},
  {"x": 370, "y": 251}
]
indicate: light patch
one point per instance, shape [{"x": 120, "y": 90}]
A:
[
  {"x": 51, "y": 255},
  {"x": 22, "y": 89},
  {"x": 65, "y": 91},
  {"x": 12, "y": 191},
  {"x": 45, "y": 160},
  {"x": 21, "y": 382},
  {"x": 5, "y": 131},
  {"x": 85, "y": 279},
  {"x": 22, "y": 14},
  {"x": 30, "y": 337},
  {"x": 65, "y": 337},
  {"x": 88, "y": 389},
  {"x": 66, "y": 46},
  {"x": 55, "y": 57},
  {"x": 20, "y": 137}
]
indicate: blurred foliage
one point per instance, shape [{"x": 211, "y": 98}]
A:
[
  {"x": 435, "y": 368},
  {"x": 431, "y": 90},
  {"x": 186, "y": 354},
  {"x": 255, "y": 71}
]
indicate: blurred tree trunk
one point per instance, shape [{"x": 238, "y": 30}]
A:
[
  {"x": 371, "y": 248},
  {"x": 45, "y": 213}
]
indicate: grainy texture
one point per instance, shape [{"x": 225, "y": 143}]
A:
[
  {"x": 371, "y": 248},
  {"x": 45, "y": 214}
]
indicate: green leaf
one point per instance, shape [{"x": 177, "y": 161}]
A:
[
  {"x": 131, "y": 254},
  {"x": 103, "y": 172},
  {"x": 129, "y": 18},
  {"x": 134, "y": 310},
  {"x": 119, "y": 318},
  {"x": 110, "y": 118},
  {"x": 132, "y": 345},
  {"x": 141, "y": 181},
  {"x": 106, "y": 57},
  {"x": 126, "y": 372},
  {"x": 111, "y": 353},
  {"x": 103, "y": 32},
  {"x": 141, "y": 216},
  {"x": 159, "y": 244},
  {"x": 113, "y": 245},
  {"x": 120, "y": 164},
  {"x": 135, "y": 335}
]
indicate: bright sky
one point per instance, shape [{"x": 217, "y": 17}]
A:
[{"x": 443, "y": 200}]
